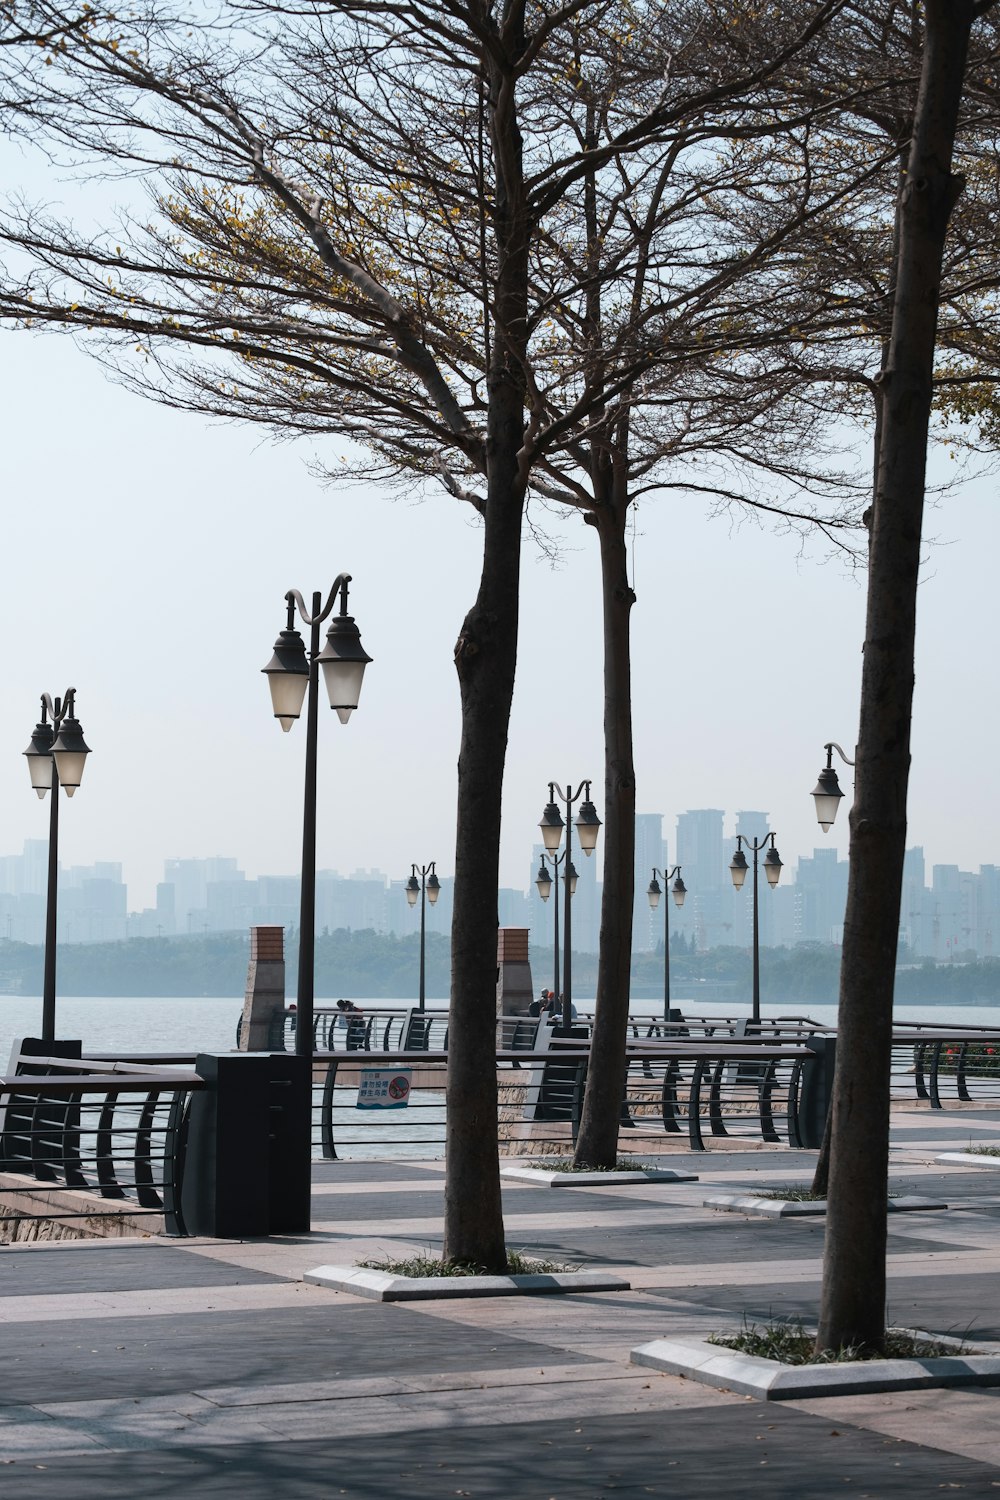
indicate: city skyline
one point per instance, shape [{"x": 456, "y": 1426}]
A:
[{"x": 956, "y": 914}]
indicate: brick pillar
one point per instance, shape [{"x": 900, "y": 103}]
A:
[
  {"x": 265, "y": 993},
  {"x": 514, "y": 989}
]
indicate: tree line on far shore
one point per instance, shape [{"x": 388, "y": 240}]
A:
[{"x": 369, "y": 965}]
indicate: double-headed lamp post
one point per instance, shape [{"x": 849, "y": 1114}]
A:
[
  {"x": 588, "y": 826},
  {"x": 291, "y": 675},
  {"x": 826, "y": 792},
  {"x": 428, "y": 888},
  {"x": 678, "y": 891},
  {"x": 543, "y": 884},
  {"x": 56, "y": 758},
  {"x": 738, "y": 870}
]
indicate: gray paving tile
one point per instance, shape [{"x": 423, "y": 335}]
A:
[
  {"x": 106, "y": 1267},
  {"x": 46, "y": 1362},
  {"x": 770, "y": 1453}
]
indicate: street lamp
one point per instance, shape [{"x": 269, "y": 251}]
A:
[
  {"x": 291, "y": 674},
  {"x": 588, "y": 826},
  {"x": 826, "y": 792},
  {"x": 56, "y": 758},
  {"x": 428, "y": 888},
  {"x": 738, "y": 870},
  {"x": 544, "y": 884},
  {"x": 679, "y": 891}
]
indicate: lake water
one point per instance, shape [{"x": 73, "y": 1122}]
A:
[{"x": 198, "y": 1024}]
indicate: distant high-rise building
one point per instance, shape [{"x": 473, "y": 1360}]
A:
[{"x": 706, "y": 917}]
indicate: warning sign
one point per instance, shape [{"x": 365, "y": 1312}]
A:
[{"x": 384, "y": 1088}]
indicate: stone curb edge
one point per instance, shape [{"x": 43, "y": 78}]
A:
[
  {"x": 595, "y": 1179},
  {"x": 970, "y": 1159},
  {"x": 384, "y": 1286},
  {"x": 788, "y": 1208},
  {"x": 767, "y": 1380}
]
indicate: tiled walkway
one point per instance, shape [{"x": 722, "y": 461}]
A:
[{"x": 159, "y": 1368}]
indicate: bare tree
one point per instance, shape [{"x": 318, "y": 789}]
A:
[
  {"x": 853, "y": 1298},
  {"x": 485, "y": 249}
]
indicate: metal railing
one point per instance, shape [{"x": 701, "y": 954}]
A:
[
  {"x": 85, "y": 1139},
  {"x": 754, "y": 1092}
]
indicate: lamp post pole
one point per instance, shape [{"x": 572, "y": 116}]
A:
[
  {"x": 588, "y": 826},
  {"x": 56, "y": 757},
  {"x": 738, "y": 870},
  {"x": 544, "y": 883},
  {"x": 293, "y": 678},
  {"x": 678, "y": 892},
  {"x": 428, "y": 888}
]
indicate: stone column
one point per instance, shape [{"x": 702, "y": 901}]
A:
[
  {"x": 514, "y": 988},
  {"x": 265, "y": 994}
]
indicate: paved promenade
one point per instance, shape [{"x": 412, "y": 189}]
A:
[{"x": 208, "y": 1368}]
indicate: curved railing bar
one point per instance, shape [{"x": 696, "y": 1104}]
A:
[
  {"x": 669, "y": 1107},
  {"x": 715, "y": 1100},
  {"x": 104, "y": 1150},
  {"x": 768, "y": 1080},
  {"x": 794, "y": 1092},
  {"x": 73, "y": 1165},
  {"x": 935, "y": 1064},
  {"x": 39, "y": 1139},
  {"x": 174, "y": 1149},
  {"x": 918, "y": 1070},
  {"x": 960, "y": 1084},
  {"x": 326, "y": 1113},
  {"x": 145, "y": 1190},
  {"x": 694, "y": 1105}
]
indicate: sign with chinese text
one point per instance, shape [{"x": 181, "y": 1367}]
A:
[{"x": 384, "y": 1088}]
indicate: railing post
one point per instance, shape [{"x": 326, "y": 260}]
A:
[{"x": 815, "y": 1091}]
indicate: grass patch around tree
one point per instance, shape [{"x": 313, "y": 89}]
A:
[
  {"x": 789, "y": 1194},
  {"x": 433, "y": 1265},
  {"x": 791, "y": 1344},
  {"x": 982, "y": 1150},
  {"x": 567, "y": 1164}
]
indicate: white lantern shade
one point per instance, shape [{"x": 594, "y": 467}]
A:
[
  {"x": 343, "y": 660},
  {"x": 287, "y": 676},
  {"x": 552, "y": 828},
  {"x": 288, "y": 693},
  {"x": 588, "y": 826},
  {"x": 343, "y": 680},
  {"x": 70, "y": 751},
  {"x": 827, "y": 796}
]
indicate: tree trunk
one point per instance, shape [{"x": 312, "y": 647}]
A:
[
  {"x": 485, "y": 656},
  {"x": 597, "y": 1144},
  {"x": 852, "y": 1307}
]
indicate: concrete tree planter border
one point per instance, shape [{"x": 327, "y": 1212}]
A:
[
  {"x": 387, "y": 1286},
  {"x": 541, "y": 1177},
  {"x": 970, "y": 1159},
  {"x": 753, "y": 1206},
  {"x": 770, "y": 1380}
]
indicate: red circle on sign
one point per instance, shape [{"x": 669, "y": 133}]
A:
[{"x": 399, "y": 1088}]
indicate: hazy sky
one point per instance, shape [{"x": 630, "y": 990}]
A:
[{"x": 145, "y": 557}]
